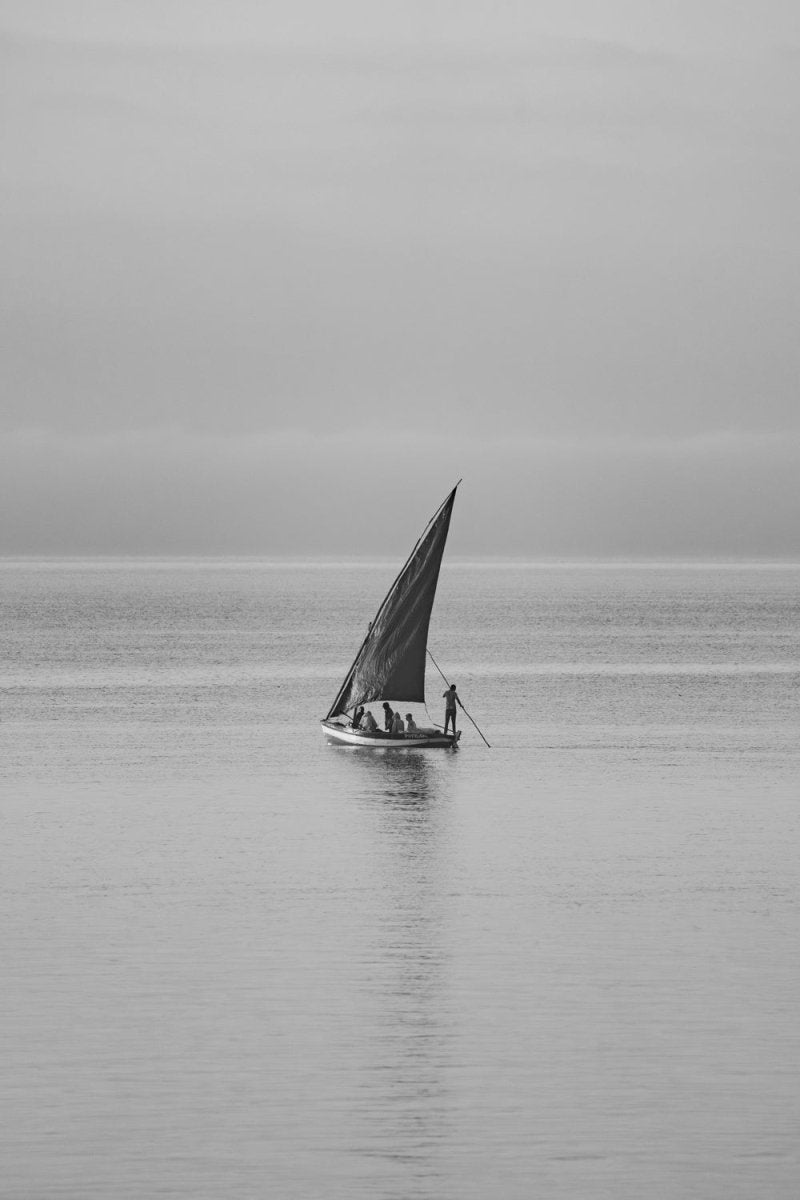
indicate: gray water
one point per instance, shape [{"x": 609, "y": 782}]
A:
[{"x": 238, "y": 962}]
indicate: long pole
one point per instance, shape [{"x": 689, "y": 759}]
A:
[{"x": 444, "y": 677}]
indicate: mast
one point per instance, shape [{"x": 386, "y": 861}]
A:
[{"x": 391, "y": 659}]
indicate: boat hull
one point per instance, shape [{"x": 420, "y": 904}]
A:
[{"x": 345, "y": 735}]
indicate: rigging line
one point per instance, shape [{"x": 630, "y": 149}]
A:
[
  {"x": 444, "y": 677},
  {"x": 430, "y": 718}
]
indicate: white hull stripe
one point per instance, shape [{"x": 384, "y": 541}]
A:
[{"x": 384, "y": 741}]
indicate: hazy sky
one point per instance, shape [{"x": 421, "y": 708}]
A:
[{"x": 274, "y": 275}]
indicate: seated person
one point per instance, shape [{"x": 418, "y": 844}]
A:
[
  {"x": 357, "y": 715},
  {"x": 369, "y": 723},
  {"x": 411, "y": 725},
  {"x": 397, "y": 724}
]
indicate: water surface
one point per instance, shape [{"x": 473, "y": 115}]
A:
[{"x": 240, "y": 962}]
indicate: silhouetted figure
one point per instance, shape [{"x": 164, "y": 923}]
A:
[
  {"x": 388, "y": 717},
  {"x": 450, "y": 698}
]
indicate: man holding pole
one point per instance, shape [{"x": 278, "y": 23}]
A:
[{"x": 450, "y": 698}]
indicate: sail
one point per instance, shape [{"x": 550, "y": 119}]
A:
[{"x": 391, "y": 662}]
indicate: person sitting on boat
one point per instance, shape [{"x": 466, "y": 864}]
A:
[
  {"x": 388, "y": 717},
  {"x": 357, "y": 715},
  {"x": 369, "y": 723},
  {"x": 451, "y": 698},
  {"x": 397, "y": 724},
  {"x": 411, "y": 724}
]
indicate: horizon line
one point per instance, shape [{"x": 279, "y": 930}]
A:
[{"x": 720, "y": 561}]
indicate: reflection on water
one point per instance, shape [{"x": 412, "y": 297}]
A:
[
  {"x": 405, "y": 1085},
  {"x": 406, "y": 776}
]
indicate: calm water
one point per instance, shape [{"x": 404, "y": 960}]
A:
[{"x": 238, "y": 962}]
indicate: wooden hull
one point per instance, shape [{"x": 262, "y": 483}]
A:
[{"x": 345, "y": 735}]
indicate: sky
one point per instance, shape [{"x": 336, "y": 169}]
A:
[{"x": 273, "y": 276}]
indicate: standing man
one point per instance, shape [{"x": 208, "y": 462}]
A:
[{"x": 450, "y": 698}]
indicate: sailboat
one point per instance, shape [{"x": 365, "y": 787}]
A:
[{"x": 390, "y": 665}]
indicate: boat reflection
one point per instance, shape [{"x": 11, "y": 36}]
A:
[
  {"x": 408, "y": 777},
  {"x": 406, "y": 1116}
]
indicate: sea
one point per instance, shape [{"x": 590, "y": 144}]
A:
[{"x": 239, "y": 962}]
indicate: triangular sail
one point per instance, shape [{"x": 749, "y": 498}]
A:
[{"x": 391, "y": 662}]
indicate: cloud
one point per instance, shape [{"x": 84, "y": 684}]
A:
[
  {"x": 543, "y": 259},
  {"x": 686, "y": 25},
  {"x": 166, "y": 491},
  {"x": 557, "y": 237}
]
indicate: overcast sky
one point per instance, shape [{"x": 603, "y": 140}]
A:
[{"x": 274, "y": 275}]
